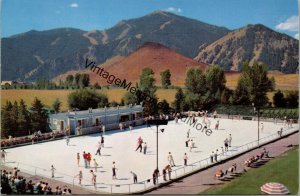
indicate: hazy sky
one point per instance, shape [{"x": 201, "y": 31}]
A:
[{"x": 19, "y": 16}]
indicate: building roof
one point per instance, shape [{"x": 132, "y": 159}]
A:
[{"x": 98, "y": 112}]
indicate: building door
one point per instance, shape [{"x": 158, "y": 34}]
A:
[{"x": 62, "y": 125}]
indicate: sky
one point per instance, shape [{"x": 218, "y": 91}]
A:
[{"x": 19, "y": 16}]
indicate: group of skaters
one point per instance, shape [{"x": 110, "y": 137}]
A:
[
  {"x": 214, "y": 155},
  {"x": 123, "y": 125},
  {"x": 141, "y": 145}
]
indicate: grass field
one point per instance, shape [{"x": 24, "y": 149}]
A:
[
  {"x": 284, "y": 169},
  {"x": 282, "y": 81},
  {"x": 48, "y": 96}
]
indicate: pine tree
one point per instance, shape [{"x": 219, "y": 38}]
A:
[
  {"x": 165, "y": 78},
  {"x": 147, "y": 89},
  {"x": 6, "y": 122},
  {"x": 179, "y": 99},
  {"x": 23, "y": 119},
  {"x": 14, "y": 120},
  {"x": 56, "y": 105},
  {"x": 38, "y": 116}
]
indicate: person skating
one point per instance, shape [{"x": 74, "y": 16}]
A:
[
  {"x": 185, "y": 158},
  {"x": 187, "y": 143},
  {"x": 114, "y": 174},
  {"x": 84, "y": 155},
  {"x": 212, "y": 157},
  {"x": 102, "y": 141},
  {"x": 229, "y": 140},
  {"x": 98, "y": 149},
  {"x": 67, "y": 140},
  {"x": 188, "y": 133},
  {"x": 171, "y": 160},
  {"x": 145, "y": 147},
  {"x": 78, "y": 159},
  {"x": 80, "y": 176},
  {"x": 191, "y": 145},
  {"x": 139, "y": 144},
  {"x": 217, "y": 125},
  {"x": 52, "y": 171},
  {"x": 95, "y": 165},
  {"x": 3, "y": 155},
  {"x": 164, "y": 172},
  {"x": 89, "y": 158},
  {"x": 134, "y": 177},
  {"x": 226, "y": 144},
  {"x": 93, "y": 177},
  {"x": 216, "y": 156}
]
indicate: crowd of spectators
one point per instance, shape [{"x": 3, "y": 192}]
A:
[
  {"x": 257, "y": 157},
  {"x": 36, "y": 137},
  {"x": 12, "y": 183}
]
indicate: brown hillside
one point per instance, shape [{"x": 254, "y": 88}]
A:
[{"x": 152, "y": 55}]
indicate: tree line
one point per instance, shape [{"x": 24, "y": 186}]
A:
[
  {"x": 17, "y": 120},
  {"x": 76, "y": 81},
  {"x": 203, "y": 90}
]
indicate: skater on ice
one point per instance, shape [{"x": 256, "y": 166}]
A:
[
  {"x": 95, "y": 165},
  {"x": 52, "y": 171},
  {"x": 185, "y": 158},
  {"x": 78, "y": 159},
  {"x": 134, "y": 177},
  {"x": 114, "y": 174},
  {"x": 171, "y": 160}
]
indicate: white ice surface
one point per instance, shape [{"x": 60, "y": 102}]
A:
[{"x": 120, "y": 147}]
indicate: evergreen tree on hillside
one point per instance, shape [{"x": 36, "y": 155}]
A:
[
  {"x": 24, "y": 120},
  {"x": 6, "y": 122},
  {"x": 261, "y": 84},
  {"x": 215, "y": 83},
  {"x": 70, "y": 80},
  {"x": 38, "y": 116},
  {"x": 196, "y": 94},
  {"x": 292, "y": 99},
  {"x": 84, "y": 80},
  {"x": 85, "y": 99},
  {"x": 163, "y": 107},
  {"x": 14, "y": 119},
  {"x": 77, "y": 79},
  {"x": 253, "y": 85},
  {"x": 147, "y": 87},
  {"x": 56, "y": 105},
  {"x": 165, "y": 78},
  {"x": 130, "y": 98},
  {"x": 179, "y": 99},
  {"x": 279, "y": 100}
]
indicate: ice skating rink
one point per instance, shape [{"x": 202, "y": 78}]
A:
[{"x": 120, "y": 147}]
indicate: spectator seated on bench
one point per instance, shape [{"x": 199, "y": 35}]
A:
[
  {"x": 232, "y": 168},
  {"x": 219, "y": 174},
  {"x": 266, "y": 153}
]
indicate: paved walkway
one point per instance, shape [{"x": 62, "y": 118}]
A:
[{"x": 203, "y": 180}]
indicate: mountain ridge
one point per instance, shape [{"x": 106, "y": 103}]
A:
[
  {"x": 34, "y": 54},
  {"x": 253, "y": 43}
]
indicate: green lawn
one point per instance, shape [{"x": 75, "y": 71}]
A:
[{"x": 283, "y": 169}]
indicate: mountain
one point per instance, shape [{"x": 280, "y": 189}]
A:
[
  {"x": 33, "y": 54},
  {"x": 153, "y": 55},
  {"x": 253, "y": 43}
]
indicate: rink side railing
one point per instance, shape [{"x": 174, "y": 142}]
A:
[{"x": 147, "y": 184}]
